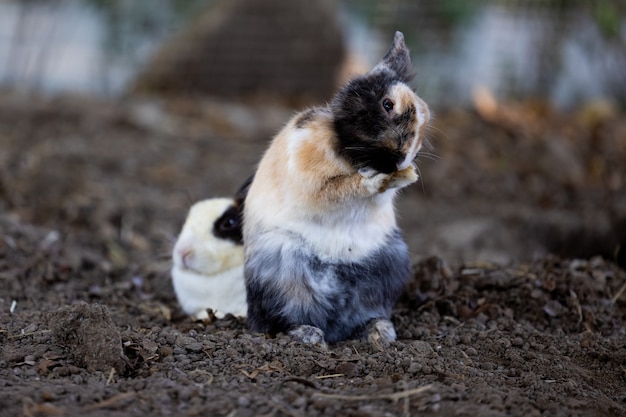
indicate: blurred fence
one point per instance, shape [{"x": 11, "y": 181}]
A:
[{"x": 566, "y": 50}]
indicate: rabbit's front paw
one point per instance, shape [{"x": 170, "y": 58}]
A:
[
  {"x": 367, "y": 172},
  {"x": 403, "y": 178},
  {"x": 375, "y": 182}
]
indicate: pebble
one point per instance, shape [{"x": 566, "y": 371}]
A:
[
  {"x": 421, "y": 348},
  {"x": 47, "y": 395},
  {"x": 300, "y": 402},
  {"x": 184, "y": 340},
  {"x": 194, "y": 347},
  {"x": 487, "y": 366},
  {"x": 504, "y": 342},
  {"x": 349, "y": 369},
  {"x": 179, "y": 351},
  {"x": 243, "y": 401},
  {"x": 165, "y": 351},
  {"x": 414, "y": 368},
  {"x": 470, "y": 351}
]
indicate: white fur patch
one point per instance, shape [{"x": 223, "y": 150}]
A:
[
  {"x": 294, "y": 141},
  {"x": 416, "y": 144},
  {"x": 223, "y": 292},
  {"x": 349, "y": 233}
]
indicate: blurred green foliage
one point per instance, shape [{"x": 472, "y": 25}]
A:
[
  {"x": 455, "y": 12},
  {"x": 607, "y": 17}
]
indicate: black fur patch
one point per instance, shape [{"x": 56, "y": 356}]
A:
[
  {"x": 398, "y": 59},
  {"x": 367, "y": 137},
  {"x": 242, "y": 192},
  {"x": 361, "y": 124},
  {"x": 228, "y": 225},
  {"x": 362, "y": 291}
]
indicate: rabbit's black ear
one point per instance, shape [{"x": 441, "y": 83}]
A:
[
  {"x": 242, "y": 192},
  {"x": 397, "y": 59}
]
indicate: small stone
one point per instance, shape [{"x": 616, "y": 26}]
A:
[
  {"x": 421, "y": 348},
  {"x": 414, "y": 368},
  {"x": 300, "y": 402},
  {"x": 243, "y": 401},
  {"x": 47, "y": 396},
  {"x": 349, "y": 369},
  {"x": 517, "y": 341},
  {"x": 179, "y": 351},
  {"x": 165, "y": 351},
  {"x": 194, "y": 347}
]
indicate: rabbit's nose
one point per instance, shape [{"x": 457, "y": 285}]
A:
[{"x": 186, "y": 256}]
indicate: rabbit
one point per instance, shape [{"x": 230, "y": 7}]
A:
[
  {"x": 207, "y": 269},
  {"x": 324, "y": 258}
]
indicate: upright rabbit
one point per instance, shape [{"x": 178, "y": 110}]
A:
[
  {"x": 324, "y": 258},
  {"x": 208, "y": 259}
]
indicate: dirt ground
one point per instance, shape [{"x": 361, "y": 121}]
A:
[{"x": 517, "y": 231}]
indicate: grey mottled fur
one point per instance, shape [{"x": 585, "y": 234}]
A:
[{"x": 289, "y": 285}]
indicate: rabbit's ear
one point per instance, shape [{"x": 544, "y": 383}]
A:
[
  {"x": 397, "y": 59},
  {"x": 242, "y": 193}
]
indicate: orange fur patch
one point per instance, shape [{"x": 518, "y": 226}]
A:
[{"x": 403, "y": 97}]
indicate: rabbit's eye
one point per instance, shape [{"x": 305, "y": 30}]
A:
[
  {"x": 388, "y": 105},
  {"x": 229, "y": 223},
  {"x": 228, "y": 226}
]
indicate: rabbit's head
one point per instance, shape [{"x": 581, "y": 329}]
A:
[
  {"x": 210, "y": 241},
  {"x": 378, "y": 118}
]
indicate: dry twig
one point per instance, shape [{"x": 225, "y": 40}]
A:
[
  {"x": 111, "y": 376},
  {"x": 618, "y": 294},
  {"x": 328, "y": 376},
  {"x": 108, "y": 402},
  {"x": 394, "y": 396},
  {"x": 30, "y": 409}
]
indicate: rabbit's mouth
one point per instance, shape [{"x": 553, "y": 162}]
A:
[
  {"x": 187, "y": 268},
  {"x": 385, "y": 161},
  {"x": 411, "y": 154}
]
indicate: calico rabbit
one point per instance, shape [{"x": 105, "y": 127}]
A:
[
  {"x": 207, "y": 258},
  {"x": 324, "y": 258}
]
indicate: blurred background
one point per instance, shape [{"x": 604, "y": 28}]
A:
[
  {"x": 116, "y": 115},
  {"x": 569, "y": 51}
]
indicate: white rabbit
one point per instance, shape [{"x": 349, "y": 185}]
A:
[{"x": 208, "y": 260}]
